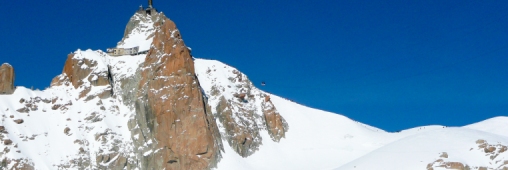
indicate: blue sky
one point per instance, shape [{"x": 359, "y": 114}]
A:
[{"x": 391, "y": 64}]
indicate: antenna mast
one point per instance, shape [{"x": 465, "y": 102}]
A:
[{"x": 150, "y": 4}]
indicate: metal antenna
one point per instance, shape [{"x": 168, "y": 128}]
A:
[{"x": 150, "y": 4}]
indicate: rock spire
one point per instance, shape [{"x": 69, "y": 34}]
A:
[{"x": 6, "y": 79}]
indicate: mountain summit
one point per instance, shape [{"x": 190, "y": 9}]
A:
[
  {"x": 148, "y": 104},
  {"x": 142, "y": 110}
]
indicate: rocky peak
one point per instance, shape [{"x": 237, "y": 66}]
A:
[
  {"x": 244, "y": 112},
  {"x": 170, "y": 107},
  {"x": 147, "y": 110},
  {"x": 85, "y": 70},
  {"x": 6, "y": 79},
  {"x": 140, "y": 29}
]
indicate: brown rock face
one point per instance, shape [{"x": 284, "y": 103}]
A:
[
  {"x": 77, "y": 74},
  {"x": 243, "y": 110},
  {"x": 447, "y": 165},
  {"x": 6, "y": 79},
  {"x": 242, "y": 133},
  {"x": 275, "y": 124},
  {"x": 491, "y": 151},
  {"x": 7, "y": 142},
  {"x": 171, "y": 109},
  {"x": 18, "y": 164},
  {"x": 83, "y": 73}
]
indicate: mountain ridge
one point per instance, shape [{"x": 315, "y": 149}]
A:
[{"x": 166, "y": 109}]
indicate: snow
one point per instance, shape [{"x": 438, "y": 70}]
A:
[
  {"x": 141, "y": 35},
  {"x": 495, "y": 125}
]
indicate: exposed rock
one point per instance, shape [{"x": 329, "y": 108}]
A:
[
  {"x": 447, "y": 165},
  {"x": 56, "y": 106},
  {"x": 7, "y": 142},
  {"x": 93, "y": 117},
  {"x": 170, "y": 107},
  {"x": 444, "y": 155},
  {"x": 19, "y": 121},
  {"x": 67, "y": 130},
  {"x": 84, "y": 73},
  {"x": 135, "y": 22},
  {"x": 240, "y": 96},
  {"x": 113, "y": 161},
  {"x": 243, "y": 110},
  {"x": 73, "y": 70},
  {"x": 6, "y": 79},
  {"x": 23, "y": 110},
  {"x": 59, "y": 80},
  {"x": 242, "y": 133},
  {"x": 275, "y": 124},
  {"x": 18, "y": 164},
  {"x": 267, "y": 98},
  {"x": 490, "y": 151}
]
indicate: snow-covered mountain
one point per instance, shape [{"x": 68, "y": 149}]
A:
[{"x": 167, "y": 110}]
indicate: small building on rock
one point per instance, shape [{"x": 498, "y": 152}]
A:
[{"x": 123, "y": 51}]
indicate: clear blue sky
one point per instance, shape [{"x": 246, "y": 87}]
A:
[{"x": 390, "y": 64}]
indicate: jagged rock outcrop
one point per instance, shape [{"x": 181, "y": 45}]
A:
[
  {"x": 242, "y": 132},
  {"x": 447, "y": 165},
  {"x": 17, "y": 164},
  {"x": 243, "y": 111},
  {"x": 275, "y": 123},
  {"x": 6, "y": 79},
  {"x": 136, "y": 23},
  {"x": 84, "y": 73},
  {"x": 171, "y": 113},
  {"x": 488, "y": 150}
]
